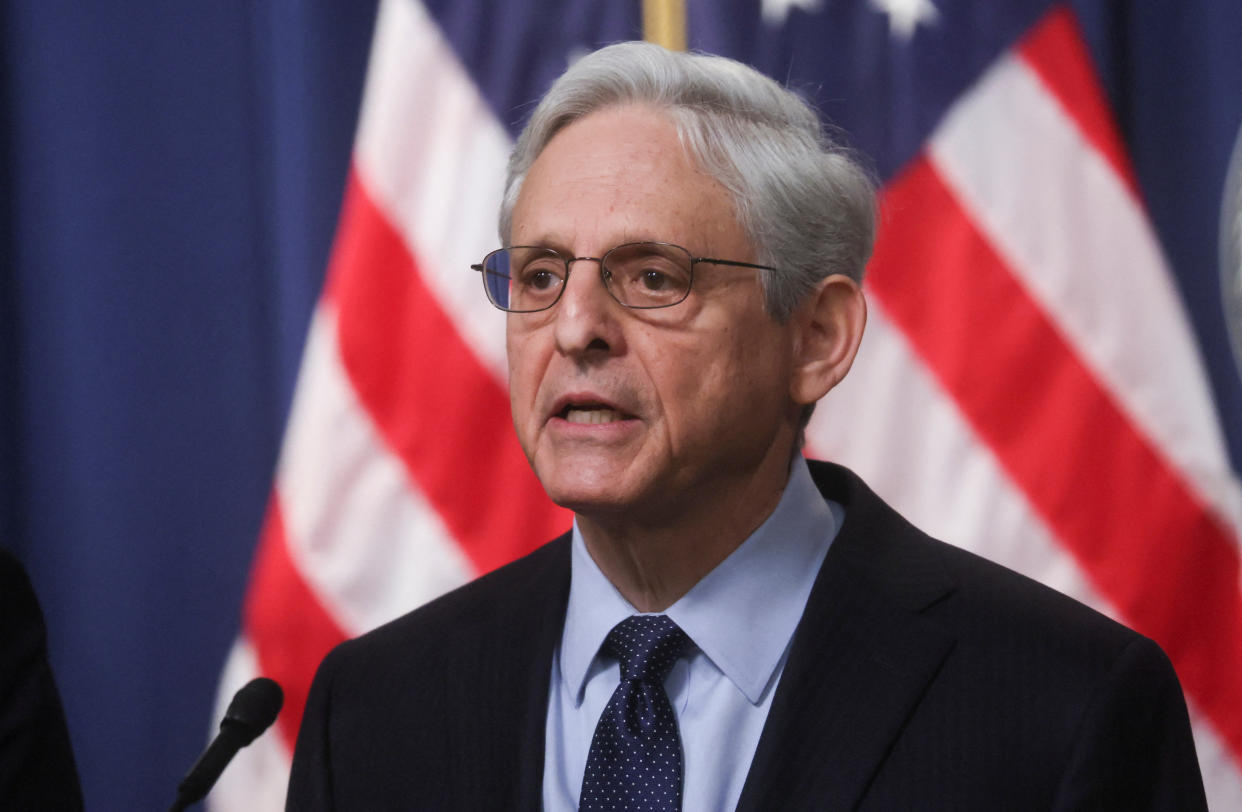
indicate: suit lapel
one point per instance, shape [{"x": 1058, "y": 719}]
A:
[
  {"x": 859, "y": 663},
  {"x": 496, "y": 743},
  {"x": 547, "y": 594}
]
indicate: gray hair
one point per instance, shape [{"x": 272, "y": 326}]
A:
[{"x": 804, "y": 200}]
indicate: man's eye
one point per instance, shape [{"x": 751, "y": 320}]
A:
[
  {"x": 654, "y": 280},
  {"x": 540, "y": 279}
]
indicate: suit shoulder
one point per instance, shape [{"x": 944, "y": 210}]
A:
[
  {"x": 996, "y": 597},
  {"x": 1001, "y": 612},
  {"x": 1009, "y": 672},
  {"x": 978, "y": 600}
]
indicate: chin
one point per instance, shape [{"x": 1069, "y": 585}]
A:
[
  {"x": 579, "y": 476},
  {"x": 584, "y": 500},
  {"x": 587, "y": 495}
]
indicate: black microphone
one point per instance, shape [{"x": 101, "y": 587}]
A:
[{"x": 251, "y": 712}]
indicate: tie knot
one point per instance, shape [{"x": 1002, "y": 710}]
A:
[{"x": 647, "y": 646}]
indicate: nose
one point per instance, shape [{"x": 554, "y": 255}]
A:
[{"x": 586, "y": 315}]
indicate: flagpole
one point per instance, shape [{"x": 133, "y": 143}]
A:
[{"x": 664, "y": 23}]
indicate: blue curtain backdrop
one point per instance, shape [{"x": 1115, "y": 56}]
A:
[{"x": 171, "y": 177}]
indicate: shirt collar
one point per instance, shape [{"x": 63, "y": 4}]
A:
[{"x": 774, "y": 568}]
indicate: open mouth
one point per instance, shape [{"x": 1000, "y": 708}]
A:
[{"x": 591, "y": 413}]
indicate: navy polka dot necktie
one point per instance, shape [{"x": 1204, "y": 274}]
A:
[{"x": 635, "y": 758}]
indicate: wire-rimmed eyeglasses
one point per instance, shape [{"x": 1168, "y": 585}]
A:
[{"x": 642, "y": 275}]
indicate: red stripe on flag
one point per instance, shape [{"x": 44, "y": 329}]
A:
[
  {"x": 1058, "y": 54},
  {"x": 436, "y": 406},
  {"x": 284, "y": 621},
  {"x": 1142, "y": 536}
]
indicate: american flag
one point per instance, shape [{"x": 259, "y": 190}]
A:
[{"x": 1032, "y": 385}]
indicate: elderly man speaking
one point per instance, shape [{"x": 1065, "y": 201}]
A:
[{"x": 728, "y": 625}]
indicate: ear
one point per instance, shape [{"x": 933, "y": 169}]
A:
[{"x": 828, "y": 330}]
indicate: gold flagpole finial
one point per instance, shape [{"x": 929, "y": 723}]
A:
[{"x": 664, "y": 23}]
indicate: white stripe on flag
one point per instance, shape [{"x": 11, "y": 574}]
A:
[
  {"x": 1079, "y": 242},
  {"x": 257, "y": 778},
  {"x": 892, "y": 423},
  {"x": 357, "y": 529},
  {"x": 1221, "y": 780},
  {"x": 432, "y": 155}
]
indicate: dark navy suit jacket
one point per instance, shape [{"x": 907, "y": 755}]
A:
[{"x": 920, "y": 677}]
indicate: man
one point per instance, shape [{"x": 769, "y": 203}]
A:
[{"x": 727, "y": 625}]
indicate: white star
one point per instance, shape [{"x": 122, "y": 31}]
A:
[
  {"x": 775, "y": 12},
  {"x": 904, "y": 16}
]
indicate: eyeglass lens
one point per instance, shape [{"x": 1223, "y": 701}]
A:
[{"x": 646, "y": 275}]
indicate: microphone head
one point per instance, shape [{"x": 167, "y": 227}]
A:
[{"x": 254, "y": 708}]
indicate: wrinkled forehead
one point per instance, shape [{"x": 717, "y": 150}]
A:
[
  {"x": 623, "y": 174},
  {"x": 678, "y": 121}
]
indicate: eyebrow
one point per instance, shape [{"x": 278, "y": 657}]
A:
[{"x": 560, "y": 246}]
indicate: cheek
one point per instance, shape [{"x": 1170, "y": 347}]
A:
[
  {"x": 697, "y": 380},
  {"x": 525, "y": 375},
  {"x": 740, "y": 374}
]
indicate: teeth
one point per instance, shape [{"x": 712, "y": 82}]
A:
[{"x": 593, "y": 416}]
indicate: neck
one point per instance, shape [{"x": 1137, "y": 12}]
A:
[{"x": 654, "y": 562}]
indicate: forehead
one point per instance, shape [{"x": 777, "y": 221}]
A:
[{"x": 622, "y": 174}]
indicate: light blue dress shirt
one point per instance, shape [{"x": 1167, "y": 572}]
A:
[{"x": 740, "y": 616}]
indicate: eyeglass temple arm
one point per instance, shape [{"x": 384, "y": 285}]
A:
[{"x": 732, "y": 263}]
